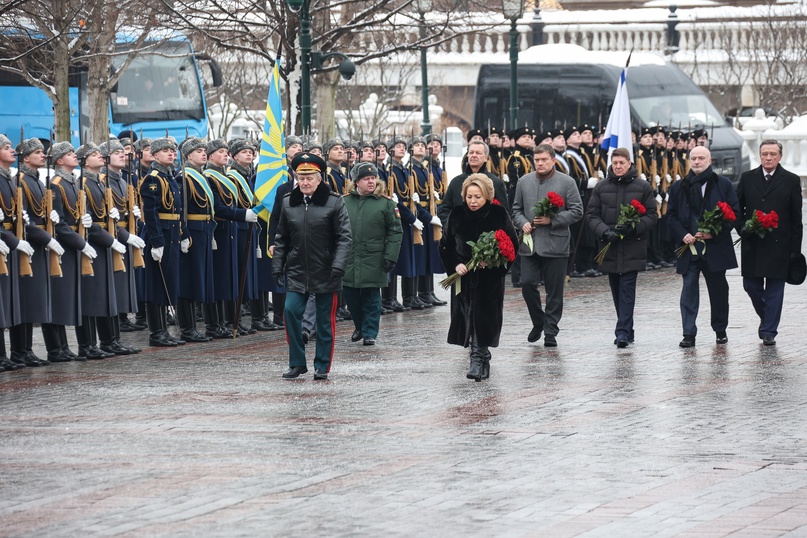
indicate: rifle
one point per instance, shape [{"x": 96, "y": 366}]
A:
[
  {"x": 25, "y": 260},
  {"x": 55, "y": 260},
  {"x": 137, "y": 254},
  {"x": 112, "y": 228},
  {"x": 81, "y": 210},
  {"x": 437, "y": 231},
  {"x": 417, "y": 237}
]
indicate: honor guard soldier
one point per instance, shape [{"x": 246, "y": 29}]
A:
[
  {"x": 431, "y": 196},
  {"x": 242, "y": 173},
  {"x": 401, "y": 190},
  {"x": 381, "y": 156},
  {"x": 98, "y": 292},
  {"x": 196, "y": 255},
  {"x": 335, "y": 151},
  {"x": 34, "y": 291},
  {"x": 142, "y": 168},
  {"x": 366, "y": 155},
  {"x": 315, "y": 148},
  {"x": 120, "y": 204},
  {"x": 11, "y": 235},
  {"x": 228, "y": 214},
  {"x": 162, "y": 212},
  {"x": 584, "y": 242},
  {"x": 520, "y": 161},
  {"x": 66, "y": 290},
  {"x": 497, "y": 158}
]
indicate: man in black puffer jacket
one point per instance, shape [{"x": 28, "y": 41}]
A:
[
  {"x": 312, "y": 247},
  {"x": 627, "y": 254}
]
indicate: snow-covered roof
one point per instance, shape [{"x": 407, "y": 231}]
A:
[{"x": 575, "y": 54}]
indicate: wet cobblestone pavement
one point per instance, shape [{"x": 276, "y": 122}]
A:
[{"x": 581, "y": 440}]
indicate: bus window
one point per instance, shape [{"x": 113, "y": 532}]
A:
[{"x": 676, "y": 110}]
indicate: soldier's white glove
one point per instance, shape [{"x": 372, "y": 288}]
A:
[
  {"x": 419, "y": 225},
  {"x": 677, "y": 177},
  {"x": 506, "y": 179},
  {"x": 394, "y": 198},
  {"x": 185, "y": 245},
  {"x": 25, "y": 217},
  {"x": 658, "y": 200},
  {"x": 114, "y": 213},
  {"x": 86, "y": 220},
  {"x": 89, "y": 251},
  {"x": 250, "y": 216},
  {"x": 657, "y": 179},
  {"x": 54, "y": 217},
  {"x": 436, "y": 196},
  {"x": 135, "y": 241},
  {"x": 415, "y": 198},
  {"x": 642, "y": 176},
  {"x": 117, "y": 246},
  {"x": 2, "y": 215},
  {"x": 54, "y": 246},
  {"x": 136, "y": 212},
  {"x": 669, "y": 178},
  {"x": 4, "y": 250},
  {"x": 436, "y": 220},
  {"x": 592, "y": 182},
  {"x": 157, "y": 253},
  {"x": 600, "y": 174},
  {"x": 25, "y": 247}
]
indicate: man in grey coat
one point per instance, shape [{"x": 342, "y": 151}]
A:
[
  {"x": 312, "y": 247},
  {"x": 550, "y": 237}
]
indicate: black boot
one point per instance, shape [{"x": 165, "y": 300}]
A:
[
  {"x": 485, "y": 362},
  {"x": 408, "y": 285},
  {"x": 50, "y": 334},
  {"x": 65, "y": 345},
  {"x": 278, "y": 305},
  {"x": 29, "y": 342},
  {"x": 186, "y": 315},
  {"x": 429, "y": 285},
  {"x": 475, "y": 368},
  {"x": 116, "y": 331},
  {"x": 5, "y": 362},
  {"x": 392, "y": 291},
  {"x": 87, "y": 343},
  {"x": 158, "y": 330},
  {"x": 229, "y": 316},
  {"x": 258, "y": 309},
  {"x": 423, "y": 290},
  {"x": 140, "y": 317},
  {"x": 212, "y": 327}
]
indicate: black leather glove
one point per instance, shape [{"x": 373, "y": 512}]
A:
[
  {"x": 337, "y": 273},
  {"x": 625, "y": 230},
  {"x": 388, "y": 265},
  {"x": 610, "y": 236},
  {"x": 279, "y": 280}
]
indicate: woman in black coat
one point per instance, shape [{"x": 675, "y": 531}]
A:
[{"x": 476, "y": 312}]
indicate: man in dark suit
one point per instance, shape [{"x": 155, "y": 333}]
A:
[
  {"x": 698, "y": 192},
  {"x": 765, "y": 260}
]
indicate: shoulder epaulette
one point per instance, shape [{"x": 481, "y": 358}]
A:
[
  {"x": 154, "y": 173},
  {"x": 56, "y": 180}
]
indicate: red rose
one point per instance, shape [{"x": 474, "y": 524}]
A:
[
  {"x": 555, "y": 199},
  {"x": 505, "y": 245},
  {"x": 495, "y": 202},
  {"x": 759, "y": 214},
  {"x": 637, "y": 205},
  {"x": 728, "y": 212}
]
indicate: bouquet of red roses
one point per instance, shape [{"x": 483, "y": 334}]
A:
[
  {"x": 545, "y": 207},
  {"x": 629, "y": 214},
  {"x": 761, "y": 223},
  {"x": 711, "y": 223},
  {"x": 492, "y": 249}
]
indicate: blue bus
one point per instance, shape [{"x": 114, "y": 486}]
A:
[{"x": 159, "y": 92}]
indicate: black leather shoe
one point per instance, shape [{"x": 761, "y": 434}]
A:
[
  {"x": 114, "y": 349},
  {"x": 162, "y": 339},
  {"x": 18, "y": 358},
  {"x": 276, "y": 326},
  {"x": 385, "y": 310},
  {"x": 369, "y": 341},
  {"x": 141, "y": 323},
  {"x": 127, "y": 326},
  {"x": 576, "y": 274},
  {"x": 320, "y": 375},
  {"x": 217, "y": 331},
  {"x": 549, "y": 341},
  {"x": 398, "y": 307},
  {"x": 194, "y": 336},
  {"x": 722, "y": 338},
  {"x": 178, "y": 341},
  {"x": 590, "y": 273},
  {"x": 535, "y": 334},
  {"x": 246, "y": 330},
  {"x": 344, "y": 313},
  {"x": 413, "y": 304},
  {"x": 58, "y": 356},
  {"x": 688, "y": 341},
  {"x": 306, "y": 336},
  {"x": 435, "y": 300},
  {"x": 356, "y": 336},
  {"x": 294, "y": 372},
  {"x": 768, "y": 340},
  {"x": 30, "y": 357},
  {"x": 261, "y": 325},
  {"x": 424, "y": 303},
  {"x": 622, "y": 341},
  {"x": 8, "y": 365}
]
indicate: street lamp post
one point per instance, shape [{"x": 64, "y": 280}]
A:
[
  {"x": 512, "y": 10},
  {"x": 312, "y": 60},
  {"x": 423, "y": 7}
]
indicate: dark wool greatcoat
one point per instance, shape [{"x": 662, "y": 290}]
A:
[
  {"x": 196, "y": 266},
  {"x": 478, "y": 308},
  {"x": 427, "y": 255},
  {"x": 246, "y": 203},
  {"x": 312, "y": 240},
  {"x": 9, "y": 295},
  {"x": 161, "y": 196},
  {"x": 66, "y": 291},
  {"x": 125, "y": 285},
  {"x": 399, "y": 178},
  {"x": 98, "y": 297},
  {"x": 225, "y": 236},
  {"x": 769, "y": 256},
  {"x": 683, "y": 219},
  {"x": 35, "y": 291},
  {"x": 607, "y": 198}
]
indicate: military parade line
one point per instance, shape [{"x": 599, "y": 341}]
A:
[{"x": 121, "y": 229}]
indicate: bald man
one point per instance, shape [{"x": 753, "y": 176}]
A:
[{"x": 712, "y": 255}]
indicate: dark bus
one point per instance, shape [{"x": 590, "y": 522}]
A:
[{"x": 564, "y": 85}]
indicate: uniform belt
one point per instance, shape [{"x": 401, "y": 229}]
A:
[
  {"x": 42, "y": 226},
  {"x": 8, "y": 225},
  {"x": 168, "y": 216},
  {"x": 199, "y": 216}
]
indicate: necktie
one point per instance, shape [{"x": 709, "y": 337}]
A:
[
  {"x": 307, "y": 200},
  {"x": 767, "y": 177}
]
